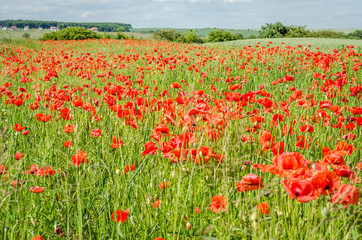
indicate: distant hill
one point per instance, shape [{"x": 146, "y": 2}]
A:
[
  {"x": 102, "y": 26},
  {"x": 202, "y": 32}
]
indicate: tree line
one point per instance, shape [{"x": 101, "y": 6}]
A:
[{"x": 103, "y": 26}]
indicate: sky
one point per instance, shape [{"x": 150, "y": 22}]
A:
[{"x": 240, "y": 14}]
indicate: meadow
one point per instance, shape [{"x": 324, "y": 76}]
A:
[{"x": 127, "y": 139}]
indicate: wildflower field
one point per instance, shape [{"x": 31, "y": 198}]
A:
[{"x": 110, "y": 139}]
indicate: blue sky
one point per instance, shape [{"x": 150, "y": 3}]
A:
[{"x": 315, "y": 14}]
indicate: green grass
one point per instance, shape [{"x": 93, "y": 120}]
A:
[{"x": 324, "y": 44}]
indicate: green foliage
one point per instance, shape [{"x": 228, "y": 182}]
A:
[
  {"x": 356, "y": 34},
  {"x": 26, "y": 35},
  {"x": 297, "y": 32},
  {"x": 103, "y": 27},
  {"x": 327, "y": 34},
  {"x": 189, "y": 37},
  {"x": 121, "y": 35},
  {"x": 71, "y": 33},
  {"x": 276, "y": 30},
  {"x": 173, "y": 36},
  {"x": 223, "y": 36},
  {"x": 168, "y": 35}
]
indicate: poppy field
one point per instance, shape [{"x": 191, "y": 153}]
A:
[{"x": 110, "y": 139}]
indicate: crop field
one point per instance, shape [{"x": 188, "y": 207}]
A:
[
  {"x": 202, "y": 32},
  {"x": 126, "y": 139}
]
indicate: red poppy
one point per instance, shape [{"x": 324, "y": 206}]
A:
[
  {"x": 277, "y": 148},
  {"x": 250, "y": 182},
  {"x": 36, "y": 189},
  {"x": 303, "y": 142},
  {"x": 288, "y": 163},
  {"x": 175, "y": 85},
  {"x": 96, "y": 132},
  {"x": 18, "y": 127},
  {"x": 34, "y": 106},
  {"x": 158, "y": 238},
  {"x": 16, "y": 183},
  {"x": 334, "y": 160},
  {"x": 126, "y": 169},
  {"x": 120, "y": 216},
  {"x": 18, "y": 155},
  {"x": 276, "y": 119},
  {"x": 68, "y": 128},
  {"x": 79, "y": 157},
  {"x": 43, "y": 118},
  {"x": 263, "y": 208},
  {"x": 38, "y": 237},
  {"x": 45, "y": 171},
  {"x": 307, "y": 128},
  {"x": 67, "y": 144},
  {"x": 266, "y": 139},
  {"x": 157, "y": 204},
  {"x": 301, "y": 189},
  {"x": 218, "y": 204},
  {"x": 150, "y": 148},
  {"x": 116, "y": 142},
  {"x": 26, "y": 132},
  {"x": 346, "y": 194},
  {"x": 163, "y": 185}
]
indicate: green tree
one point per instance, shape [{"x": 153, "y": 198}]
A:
[
  {"x": 71, "y": 33},
  {"x": 356, "y": 34},
  {"x": 276, "y": 30},
  {"x": 223, "y": 36},
  {"x": 298, "y": 32}
]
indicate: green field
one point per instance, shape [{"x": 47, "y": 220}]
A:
[
  {"x": 324, "y": 44},
  {"x": 202, "y": 32}
]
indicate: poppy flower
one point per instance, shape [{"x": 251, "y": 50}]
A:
[
  {"x": 263, "y": 208},
  {"x": 250, "y": 182},
  {"x": 116, "y": 143},
  {"x": 79, "y": 157},
  {"x": 18, "y": 127},
  {"x": 150, "y": 148},
  {"x": 301, "y": 189},
  {"x": 198, "y": 210},
  {"x": 346, "y": 194},
  {"x": 68, "y": 128},
  {"x": 43, "y": 118},
  {"x": 126, "y": 169},
  {"x": 18, "y": 155},
  {"x": 120, "y": 216},
  {"x": 158, "y": 238},
  {"x": 36, "y": 189},
  {"x": 334, "y": 160},
  {"x": 345, "y": 171},
  {"x": 38, "y": 237},
  {"x": 34, "y": 106},
  {"x": 303, "y": 142},
  {"x": 26, "y": 132},
  {"x": 288, "y": 163},
  {"x": 276, "y": 119},
  {"x": 277, "y": 148},
  {"x": 307, "y": 128},
  {"x": 163, "y": 185},
  {"x": 96, "y": 132},
  {"x": 157, "y": 204},
  {"x": 266, "y": 139},
  {"x": 45, "y": 172},
  {"x": 67, "y": 144},
  {"x": 218, "y": 204},
  {"x": 16, "y": 183}
]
